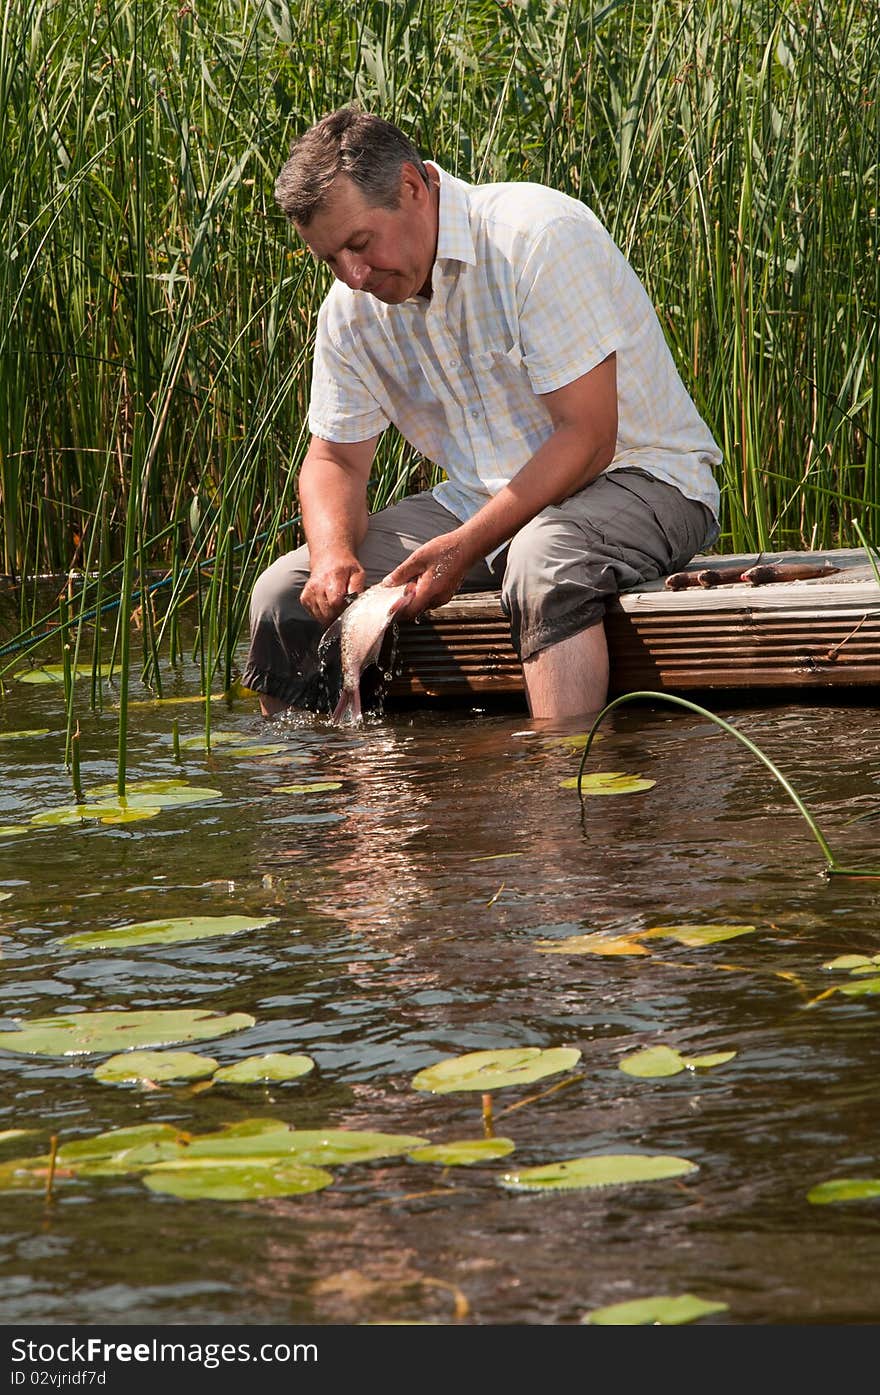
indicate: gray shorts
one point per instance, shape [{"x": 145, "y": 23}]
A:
[{"x": 556, "y": 576}]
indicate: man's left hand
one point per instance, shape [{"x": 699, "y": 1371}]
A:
[{"x": 437, "y": 568}]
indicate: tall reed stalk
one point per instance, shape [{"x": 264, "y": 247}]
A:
[{"x": 156, "y": 316}]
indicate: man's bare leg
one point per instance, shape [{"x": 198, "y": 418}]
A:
[
  {"x": 568, "y": 678},
  {"x": 271, "y": 706}
]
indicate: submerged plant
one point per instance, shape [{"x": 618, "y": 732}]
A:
[{"x": 833, "y": 868}]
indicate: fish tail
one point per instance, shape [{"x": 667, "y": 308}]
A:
[{"x": 348, "y": 706}]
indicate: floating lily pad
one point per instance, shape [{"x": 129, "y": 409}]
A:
[
  {"x": 855, "y": 963},
  {"x": 275, "y": 1066},
  {"x": 12, "y": 830},
  {"x": 695, "y": 935},
  {"x": 115, "y": 1142},
  {"x": 22, "y": 735},
  {"x": 464, "y": 1151},
  {"x": 576, "y": 741},
  {"x": 599, "y": 1170},
  {"x": 492, "y": 1070},
  {"x": 315, "y": 787},
  {"x": 81, "y": 1033},
  {"x": 661, "y": 1309},
  {"x": 106, "y": 812},
  {"x": 5, "y": 895},
  {"x": 658, "y": 1061},
  {"x": 609, "y": 782},
  {"x": 845, "y": 1189},
  {"x": 321, "y": 1147},
  {"x": 132, "y": 1067},
  {"x": 24, "y": 1174},
  {"x": 860, "y": 987},
  {"x": 165, "y": 793},
  {"x": 594, "y": 943},
  {"x": 54, "y": 673},
  {"x": 218, "y": 738},
  {"x": 163, "y": 932},
  {"x": 246, "y": 1179}
]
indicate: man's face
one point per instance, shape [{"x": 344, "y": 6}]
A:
[{"x": 387, "y": 252}]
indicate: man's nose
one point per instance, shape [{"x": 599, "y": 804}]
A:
[{"x": 351, "y": 269}]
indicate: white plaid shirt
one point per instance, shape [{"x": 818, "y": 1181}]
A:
[{"x": 529, "y": 292}]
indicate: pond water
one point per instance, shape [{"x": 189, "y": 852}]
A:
[{"x": 406, "y": 910}]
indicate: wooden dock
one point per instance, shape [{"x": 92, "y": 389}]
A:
[{"x": 817, "y": 633}]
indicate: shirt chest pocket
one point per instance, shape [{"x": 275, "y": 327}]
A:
[{"x": 502, "y": 381}]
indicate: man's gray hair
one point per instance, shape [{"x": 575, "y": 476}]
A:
[{"x": 370, "y": 151}]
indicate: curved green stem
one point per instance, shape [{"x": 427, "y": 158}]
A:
[{"x": 834, "y": 868}]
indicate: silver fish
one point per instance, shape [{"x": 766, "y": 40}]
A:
[{"x": 360, "y": 630}]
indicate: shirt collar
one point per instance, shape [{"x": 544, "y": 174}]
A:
[{"x": 454, "y": 238}]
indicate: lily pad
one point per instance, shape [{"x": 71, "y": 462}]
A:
[
  {"x": 246, "y": 1179},
  {"x": 115, "y": 1142},
  {"x": 695, "y": 935},
  {"x": 609, "y": 782},
  {"x": 106, "y": 812},
  {"x": 661, "y": 1309},
  {"x": 163, "y": 932},
  {"x": 492, "y": 1070},
  {"x": 593, "y": 943},
  {"x": 860, "y": 988},
  {"x": 218, "y": 738},
  {"x": 658, "y": 1061},
  {"x": 463, "y": 1152},
  {"x": 131, "y": 1067},
  {"x": 320, "y": 1147},
  {"x": 855, "y": 963},
  {"x": 24, "y": 1174},
  {"x": 276, "y": 1066},
  {"x": 12, "y": 830},
  {"x": 54, "y": 673},
  {"x": 315, "y": 787},
  {"x": 845, "y": 1189},
  {"x": 598, "y": 1170},
  {"x": 165, "y": 793},
  {"x": 81, "y": 1033},
  {"x": 22, "y": 735}
]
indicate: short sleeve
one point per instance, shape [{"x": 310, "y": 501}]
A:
[{"x": 341, "y": 406}]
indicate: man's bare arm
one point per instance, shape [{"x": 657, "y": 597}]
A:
[
  {"x": 582, "y": 444},
  {"x": 333, "y": 497}
]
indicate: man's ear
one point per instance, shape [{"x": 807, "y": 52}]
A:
[{"x": 413, "y": 188}]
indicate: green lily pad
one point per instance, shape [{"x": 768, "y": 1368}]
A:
[
  {"x": 163, "y": 932},
  {"x": 463, "y": 1152},
  {"x": 24, "y": 1174},
  {"x": 54, "y": 673},
  {"x": 108, "y": 812},
  {"x": 114, "y": 1143},
  {"x": 661, "y": 1309},
  {"x": 845, "y": 1189},
  {"x": 218, "y": 738},
  {"x": 131, "y": 1067},
  {"x": 276, "y": 1066},
  {"x": 21, "y": 735},
  {"x": 5, "y": 895},
  {"x": 319, "y": 1147},
  {"x": 599, "y": 1170},
  {"x": 246, "y": 1179},
  {"x": 12, "y": 830},
  {"x": 695, "y": 935},
  {"x": 855, "y": 963},
  {"x": 164, "y": 793},
  {"x": 860, "y": 988},
  {"x": 594, "y": 943},
  {"x": 657, "y": 1061},
  {"x": 315, "y": 787},
  {"x": 492, "y": 1070},
  {"x": 609, "y": 782},
  {"x": 81, "y": 1033}
]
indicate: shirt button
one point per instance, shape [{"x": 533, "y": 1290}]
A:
[{"x": 475, "y": 416}]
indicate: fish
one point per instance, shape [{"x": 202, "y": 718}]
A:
[{"x": 360, "y": 630}]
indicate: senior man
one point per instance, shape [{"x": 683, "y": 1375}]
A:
[{"x": 503, "y": 333}]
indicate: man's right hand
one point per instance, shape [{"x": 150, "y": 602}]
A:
[{"x": 330, "y": 582}]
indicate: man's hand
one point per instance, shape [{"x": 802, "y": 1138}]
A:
[
  {"x": 330, "y": 582},
  {"x": 437, "y": 568}
]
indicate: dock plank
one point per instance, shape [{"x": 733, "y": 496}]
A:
[{"x": 819, "y": 632}]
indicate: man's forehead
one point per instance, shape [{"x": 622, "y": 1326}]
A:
[{"x": 344, "y": 213}]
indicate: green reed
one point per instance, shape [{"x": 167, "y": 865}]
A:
[{"x": 156, "y": 315}]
